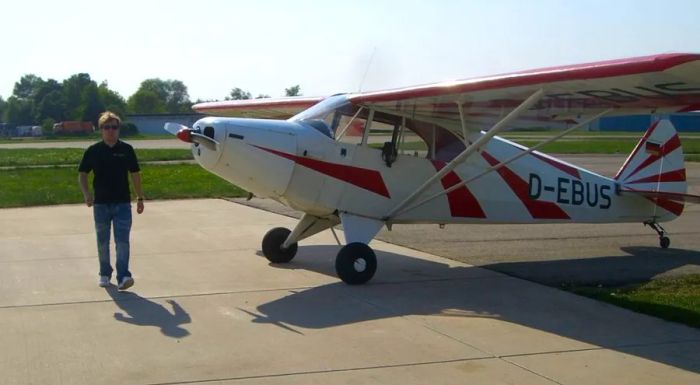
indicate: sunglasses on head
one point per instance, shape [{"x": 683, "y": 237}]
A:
[{"x": 110, "y": 127}]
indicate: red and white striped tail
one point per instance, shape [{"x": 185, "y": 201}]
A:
[{"x": 656, "y": 165}]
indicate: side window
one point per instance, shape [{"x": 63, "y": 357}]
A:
[{"x": 350, "y": 130}]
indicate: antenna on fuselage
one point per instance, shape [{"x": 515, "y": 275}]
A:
[{"x": 369, "y": 63}]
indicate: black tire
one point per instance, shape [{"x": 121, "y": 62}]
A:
[
  {"x": 356, "y": 263},
  {"x": 664, "y": 242},
  {"x": 272, "y": 246}
]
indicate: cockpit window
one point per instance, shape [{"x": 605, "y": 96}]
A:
[{"x": 339, "y": 119}]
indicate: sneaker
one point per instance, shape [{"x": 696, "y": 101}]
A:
[
  {"x": 126, "y": 283},
  {"x": 104, "y": 281}
]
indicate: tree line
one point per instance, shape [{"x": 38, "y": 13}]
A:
[{"x": 35, "y": 101}]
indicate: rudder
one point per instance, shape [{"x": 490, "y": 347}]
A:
[{"x": 656, "y": 165}]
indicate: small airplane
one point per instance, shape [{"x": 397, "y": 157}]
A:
[{"x": 430, "y": 154}]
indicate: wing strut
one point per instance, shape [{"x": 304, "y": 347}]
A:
[
  {"x": 465, "y": 131},
  {"x": 472, "y": 148},
  {"x": 505, "y": 162}
]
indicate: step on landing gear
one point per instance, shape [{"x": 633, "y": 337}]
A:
[{"x": 664, "y": 241}]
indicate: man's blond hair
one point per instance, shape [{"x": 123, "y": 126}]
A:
[{"x": 106, "y": 117}]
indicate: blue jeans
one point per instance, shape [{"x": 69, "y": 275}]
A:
[{"x": 105, "y": 215}]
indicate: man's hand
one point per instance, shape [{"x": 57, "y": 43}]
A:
[
  {"x": 89, "y": 199},
  {"x": 139, "y": 206}
]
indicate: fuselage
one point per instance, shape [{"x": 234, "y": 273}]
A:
[{"x": 298, "y": 163}]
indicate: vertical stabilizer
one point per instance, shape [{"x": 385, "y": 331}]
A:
[{"x": 656, "y": 165}]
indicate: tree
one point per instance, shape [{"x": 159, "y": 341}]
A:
[
  {"x": 52, "y": 106},
  {"x": 111, "y": 100},
  {"x": 19, "y": 111},
  {"x": 262, "y": 96},
  {"x": 73, "y": 89},
  {"x": 3, "y": 106},
  {"x": 293, "y": 91},
  {"x": 91, "y": 105},
  {"x": 27, "y": 86},
  {"x": 238, "y": 94},
  {"x": 170, "y": 94},
  {"x": 145, "y": 102}
]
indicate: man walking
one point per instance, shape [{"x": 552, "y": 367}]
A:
[{"x": 112, "y": 161}]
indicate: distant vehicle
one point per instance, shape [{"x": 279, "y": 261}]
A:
[
  {"x": 28, "y": 131},
  {"x": 73, "y": 127},
  {"x": 468, "y": 175}
]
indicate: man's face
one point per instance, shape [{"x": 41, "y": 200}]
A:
[{"x": 110, "y": 130}]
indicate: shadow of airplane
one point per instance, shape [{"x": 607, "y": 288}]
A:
[
  {"x": 634, "y": 265},
  {"x": 143, "y": 312},
  {"x": 407, "y": 286}
]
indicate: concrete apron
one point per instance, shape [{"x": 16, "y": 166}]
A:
[{"x": 208, "y": 307}]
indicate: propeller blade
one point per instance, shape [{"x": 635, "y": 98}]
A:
[
  {"x": 204, "y": 140},
  {"x": 174, "y": 128}
]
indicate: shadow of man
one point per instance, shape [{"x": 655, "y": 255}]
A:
[{"x": 142, "y": 312}]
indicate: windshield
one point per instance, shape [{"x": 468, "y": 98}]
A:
[{"x": 323, "y": 110}]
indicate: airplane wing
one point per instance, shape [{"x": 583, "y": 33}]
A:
[
  {"x": 265, "y": 108},
  {"x": 653, "y": 84}
]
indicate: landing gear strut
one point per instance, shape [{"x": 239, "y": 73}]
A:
[{"x": 664, "y": 241}]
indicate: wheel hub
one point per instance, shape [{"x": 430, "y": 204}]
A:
[{"x": 360, "y": 265}]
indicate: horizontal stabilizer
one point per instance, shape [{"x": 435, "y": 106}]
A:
[{"x": 676, "y": 197}]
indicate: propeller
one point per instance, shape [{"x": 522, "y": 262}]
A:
[{"x": 189, "y": 135}]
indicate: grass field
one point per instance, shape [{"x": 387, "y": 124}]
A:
[
  {"x": 20, "y": 157},
  {"x": 673, "y": 299},
  {"x": 79, "y": 138},
  {"x": 59, "y": 185}
]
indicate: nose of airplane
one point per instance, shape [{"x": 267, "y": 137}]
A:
[{"x": 190, "y": 135}]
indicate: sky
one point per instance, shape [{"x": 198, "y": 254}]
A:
[{"x": 326, "y": 47}]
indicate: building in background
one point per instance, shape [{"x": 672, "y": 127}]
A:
[
  {"x": 152, "y": 124},
  {"x": 686, "y": 122}
]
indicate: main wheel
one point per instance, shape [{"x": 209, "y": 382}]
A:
[
  {"x": 356, "y": 263},
  {"x": 664, "y": 242},
  {"x": 272, "y": 246}
]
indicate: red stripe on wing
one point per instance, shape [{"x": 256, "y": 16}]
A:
[
  {"x": 538, "y": 209},
  {"x": 370, "y": 180},
  {"x": 462, "y": 202}
]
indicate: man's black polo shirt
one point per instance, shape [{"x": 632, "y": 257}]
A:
[{"x": 112, "y": 166}]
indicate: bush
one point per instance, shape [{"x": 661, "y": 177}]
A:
[{"x": 129, "y": 129}]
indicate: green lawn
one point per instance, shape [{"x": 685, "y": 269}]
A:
[
  {"x": 19, "y": 157},
  {"x": 602, "y": 146},
  {"x": 94, "y": 137},
  {"x": 59, "y": 185},
  {"x": 673, "y": 299}
]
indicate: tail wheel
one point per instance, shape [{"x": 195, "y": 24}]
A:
[
  {"x": 356, "y": 263},
  {"x": 272, "y": 246}
]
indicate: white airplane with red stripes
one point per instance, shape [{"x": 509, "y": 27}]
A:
[{"x": 438, "y": 159}]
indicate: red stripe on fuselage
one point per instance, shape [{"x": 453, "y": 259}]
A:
[
  {"x": 462, "y": 202},
  {"x": 564, "y": 167},
  {"x": 370, "y": 180},
  {"x": 538, "y": 209}
]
